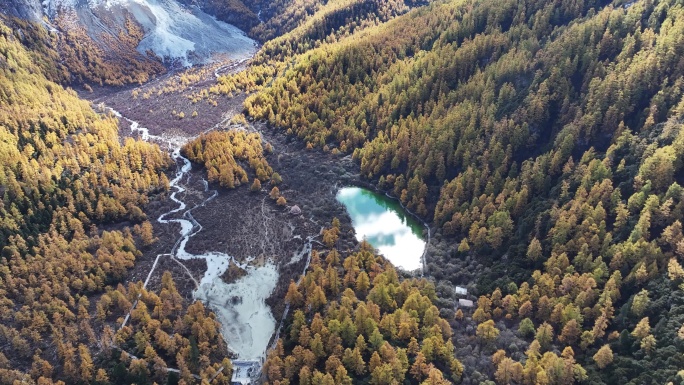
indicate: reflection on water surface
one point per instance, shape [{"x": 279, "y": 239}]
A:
[{"x": 384, "y": 224}]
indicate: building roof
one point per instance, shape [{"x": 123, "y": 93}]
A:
[
  {"x": 465, "y": 302},
  {"x": 460, "y": 290}
]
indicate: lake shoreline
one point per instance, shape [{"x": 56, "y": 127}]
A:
[
  {"x": 387, "y": 226},
  {"x": 428, "y": 229}
]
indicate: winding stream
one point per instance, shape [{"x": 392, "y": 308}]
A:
[{"x": 247, "y": 323}]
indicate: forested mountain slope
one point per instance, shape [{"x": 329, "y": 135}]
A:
[
  {"x": 542, "y": 140},
  {"x": 543, "y": 137},
  {"x": 354, "y": 321},
  {"x": 71, "y": 56},
  {"x": 300, "y": 28},
  {"x": 71, "y": 228}
]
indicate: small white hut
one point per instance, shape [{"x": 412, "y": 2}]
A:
[
  {"x": 465, "y": 303},
  {"x": 460, "y": 290}
]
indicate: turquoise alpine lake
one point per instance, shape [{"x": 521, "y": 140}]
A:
[{"x": 382, "y": 222}]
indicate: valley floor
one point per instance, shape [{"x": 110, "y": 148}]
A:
[{"x": 246, "y": 225}]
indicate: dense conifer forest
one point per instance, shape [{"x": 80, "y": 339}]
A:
[
  {"x": 542, "y": 141},
  {"x": 220, "y": 152},
  {"x": 72, "y": 226},
  {"x": 354, "y": 321},
  {"x": 545, "y": 134}
]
